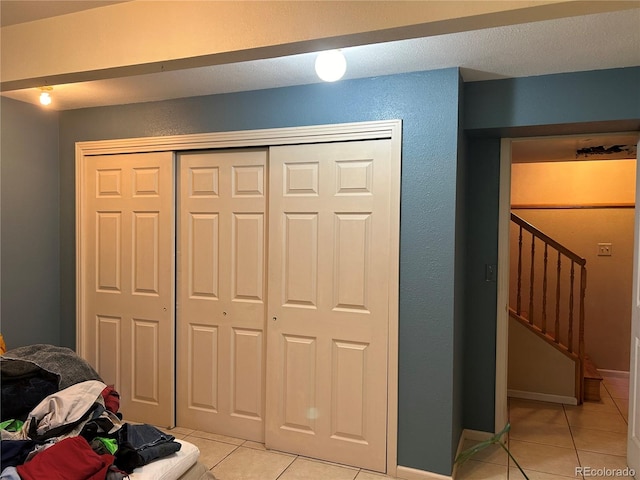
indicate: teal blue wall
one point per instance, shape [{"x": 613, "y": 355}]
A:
[
  {"x": 460, "y": 267},
  {"x": 448, "y": 213},
  {"x": 583, "y": 102},
  {"x": 568, "y": 102},
  {"x": 29, "y": 224},
  {"x": 428, "y": 105},
  {"x": 483, "y": 181}
]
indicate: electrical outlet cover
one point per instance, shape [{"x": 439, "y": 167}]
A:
[{"x": 604, "y": 250}]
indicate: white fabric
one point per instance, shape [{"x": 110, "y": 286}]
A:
[
  {"x": 66, "y": 407},
  {"x": 171, "y": 467}
]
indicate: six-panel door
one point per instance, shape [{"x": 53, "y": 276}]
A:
[
  {"x": 328, "y": 306},
  {"x": 221, "y": 292},
  {"x": 129, "y": 304}
]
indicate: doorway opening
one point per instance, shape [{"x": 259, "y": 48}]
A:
[{"x": 553, "y": 183}]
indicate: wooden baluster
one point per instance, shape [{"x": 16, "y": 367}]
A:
[
  {"x": 557, "y": 325},
  {"x": 519, "y": 292},
  {"x": 570, "y": 340},
  {"x": 531, "y": 278},
  {"x": 581, "y": 352},
  {"x": 544, "y": 289},
  {"x": 569, "y": 346}
]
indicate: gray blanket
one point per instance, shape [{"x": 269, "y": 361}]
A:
[{"x": 60, "y": 361}]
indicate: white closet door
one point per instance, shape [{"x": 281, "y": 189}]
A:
[
  {"x": 633, "y": 436},
  {"x": 221, "y": 283},
  {"x": 328, "y": 306},
  {"x": 129, "y": 308}
]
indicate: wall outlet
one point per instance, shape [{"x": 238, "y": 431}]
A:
[{"x": 604, "y": 250}]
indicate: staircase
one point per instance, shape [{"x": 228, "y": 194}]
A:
[{"x": 549, "y": 300}]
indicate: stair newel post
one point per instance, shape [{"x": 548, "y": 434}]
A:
[
  {"x": 531, "y": 277},
  {"x": 571, "y": 289},
  {"x": 556, "y": 334},
  {"x": 519, "y": 292},
  {"x": 544, "y": 289},
  {"x": 581, "y": 350}
]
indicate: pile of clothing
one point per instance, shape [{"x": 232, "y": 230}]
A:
[{"x": 74, "y": 432}]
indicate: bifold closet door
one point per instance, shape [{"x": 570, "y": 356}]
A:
[
  {"x": 328, "y": 304},
  {"x": 128, "y": 317},
  {"x": 221, "y": 285}
]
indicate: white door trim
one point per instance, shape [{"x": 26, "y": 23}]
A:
[
  {"x": 391, "y": 129},
  {"x": 633, "y": 430},
  {"x": 502, "y": 314}
]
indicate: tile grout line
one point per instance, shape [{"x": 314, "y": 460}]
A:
[
  {"x": 223, "y": 458},
  {"x": 626, "y": 421},
  {"x": 573, "y": 440},
  {"x": 295, "y": 457},
  {"x": 509, "y": 436},
  {"x": 237, "y": 446}
]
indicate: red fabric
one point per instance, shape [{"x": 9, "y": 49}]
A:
[
  {"x": 69, "y": 459},
  {"x": 111, "y": 399}
]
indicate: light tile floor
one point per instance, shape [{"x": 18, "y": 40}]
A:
[
  {"x": 548, "y": 440},
  {"x": 234, "y": 459}
]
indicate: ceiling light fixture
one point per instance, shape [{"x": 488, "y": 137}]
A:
[
  {"x": 331, "y": 65},
  {"x": 45, "y": 96}
]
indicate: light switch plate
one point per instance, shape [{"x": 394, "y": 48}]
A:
[{"x": 490, "y": 273}]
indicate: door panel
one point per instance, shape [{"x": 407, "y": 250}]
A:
[
  {"x": 221, "y": 291},
  {"x": 633, "y": 440},
  {"x": 247, "y": 256},
  {"x": 129, "y": 314},
  {"x": 246, "y": 364},
  {"x": 300, "y": 254},
  {"x": 327, "y": 335},
  {"x": 202, "y": 357},
  {"x": 203, "y": 249}
]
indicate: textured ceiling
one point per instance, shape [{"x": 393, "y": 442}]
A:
[
  {"x": 13, "y": 12},
  {"x": 590, "y": 42},
  {"x": 608, "y": 40}
]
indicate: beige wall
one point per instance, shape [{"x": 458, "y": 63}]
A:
[
  {"x": 170, "y": 35},
  {"x": 608, "y": 298},
  {"x": 591, "y": 182},
  {"x": 537, "y": 367}
]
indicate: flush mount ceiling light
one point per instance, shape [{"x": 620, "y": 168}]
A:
[
  {"x": 45, "y": 96},
  {"x": 331, "y": 65}
]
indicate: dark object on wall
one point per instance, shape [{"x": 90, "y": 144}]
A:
[{"x": 619, "y": 151}]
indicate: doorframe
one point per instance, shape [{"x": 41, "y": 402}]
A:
[
  {"x": 389, "y": 129},
  {"x": 503, "y": 272},
  {"x": 502, "y": 314}
]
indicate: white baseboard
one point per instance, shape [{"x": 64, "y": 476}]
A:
[
  {"x": 460, "y": 449},
  {"x": 473, "y": 435},
  {"x": 476, "y": 435},
  {"x": 408, "y": 473},
  {"x": 613, "y": 373},
  {"x": 415, "y": 474},
  {"x": 542, "y": 397}
]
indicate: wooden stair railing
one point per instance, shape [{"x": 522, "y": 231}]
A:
[{"x": 563, "y": 294}]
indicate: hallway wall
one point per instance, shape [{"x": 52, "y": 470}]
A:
[
  {"x": 30, "y": 234},
  {"x": 428, "y": 105}
]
